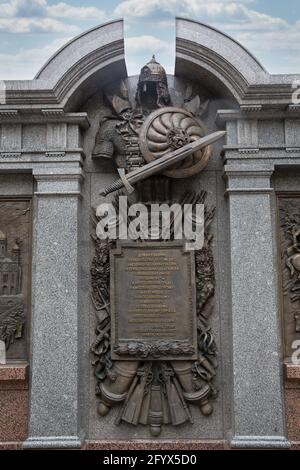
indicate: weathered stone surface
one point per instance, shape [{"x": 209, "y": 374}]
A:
[
  {"x": 14, "y": 414},
  {"x": 224, "y": 46},
  {"x": 14, "y": 372},
  {"x": 49, "y": 150},
  {"x": 54, "y": 406},
  {"x": 256, "y": 372}
]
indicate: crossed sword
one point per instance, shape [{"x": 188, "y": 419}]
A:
[{"x": 160, "y": 164}]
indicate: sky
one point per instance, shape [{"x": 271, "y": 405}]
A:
[{"x": 32, "y": 30}]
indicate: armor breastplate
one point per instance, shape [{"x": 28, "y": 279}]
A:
[{"x": 129, "y": 133}]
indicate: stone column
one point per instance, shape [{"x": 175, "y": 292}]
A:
[
  {"x": 258, "y": 410},
  {"x": 54, "y": 384}
]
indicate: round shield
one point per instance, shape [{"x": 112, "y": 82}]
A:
[{"x": 168, "y": 129}]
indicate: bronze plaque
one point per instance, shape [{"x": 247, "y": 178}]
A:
[
  {"x": 289, "y": 219},
  {"x": 15, "y": 267},
  {"x": 153, "y": 302}
]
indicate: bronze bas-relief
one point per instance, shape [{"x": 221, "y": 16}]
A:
[
  {"x": 153, "y": 375},
  {"x": 157, "y": 391},
  {"x": 289, "y": 212},
  {"x": 153, "y": 307},
  {"x": 135, "y": 134},
  {"x": 15, "y": 242}
]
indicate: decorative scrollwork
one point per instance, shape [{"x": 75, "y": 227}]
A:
[
  {"x": 11, "y": 324},
  {"x": 100, "y": 297},
  {"x": 159, "y": 349},
  {"x": 156, "y": 392}
]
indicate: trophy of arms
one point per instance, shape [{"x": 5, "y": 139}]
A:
[{"x": 153, "y": 143}]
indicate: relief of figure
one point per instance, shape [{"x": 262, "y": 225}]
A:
[
  {"x": 293, "y": 252},
  {"x": 135, "y": 136},
  {"x": 153, "y": 392},
  {"x": 118, "y": 137},
  {"x": 11, "y": 308},
  {"x": 290, "y": 224}
]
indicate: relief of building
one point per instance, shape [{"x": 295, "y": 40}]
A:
[{"x": 10, "y": 270}]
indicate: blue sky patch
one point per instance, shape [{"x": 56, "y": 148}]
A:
[{"x": 32, "y": 30}]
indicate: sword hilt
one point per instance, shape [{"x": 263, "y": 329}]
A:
[
  {"x": 113, "y": 187},
  {"x": 122, "y": 182}
]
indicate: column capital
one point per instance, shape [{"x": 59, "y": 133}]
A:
[
  {"x": 59, "y": 181},
  {"x": 57, "y": 172},
  {"x": 248, "y": 180}
]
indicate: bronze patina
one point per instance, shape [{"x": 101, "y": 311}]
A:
[
  {"x": 159, "y": 164},
  {"x": 153, "y": 299},
  {"x": 15, "y": 243},
  {"x": 154, "y": 352},
  {"x": 158, "y": 391},
  {"x": 290, "y": 263}
]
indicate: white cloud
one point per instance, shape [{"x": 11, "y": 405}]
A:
[
  {"x": 259, "y": 32},
  {"x": 140, "y": 49},
  {"x": 222, "y": 11},
  {"x": 36, "y": 25},
  {"x": 262, "y": 34},
  {"x": 23, "y": 8},
  {"x": 63, "y": 10},
  {"x": 146, "y": 45},
  {"x": 143, "y": 8},
  {"x": 24, "y": 16},
  {"x": 279, "y": 40},
  {"x": 236, "y": 13},
  {"x": 26, "y": 62}
]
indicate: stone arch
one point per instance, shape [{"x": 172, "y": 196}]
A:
[
  {"x": 203, "y": 51},
  {"x": 76, "y": 69}
]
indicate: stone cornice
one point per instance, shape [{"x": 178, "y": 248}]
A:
[
  {"x": 43, "y": 116},
  {"x": 263, "y": 113}
]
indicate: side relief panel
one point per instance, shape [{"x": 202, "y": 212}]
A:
[
  {"x": 15, "y": 256},
  {"x": 289, "y": 219}
]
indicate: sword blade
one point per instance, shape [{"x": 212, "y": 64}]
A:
[
  {"x": 164, "y": 162},
  {"x": 172, "y": 158}
]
